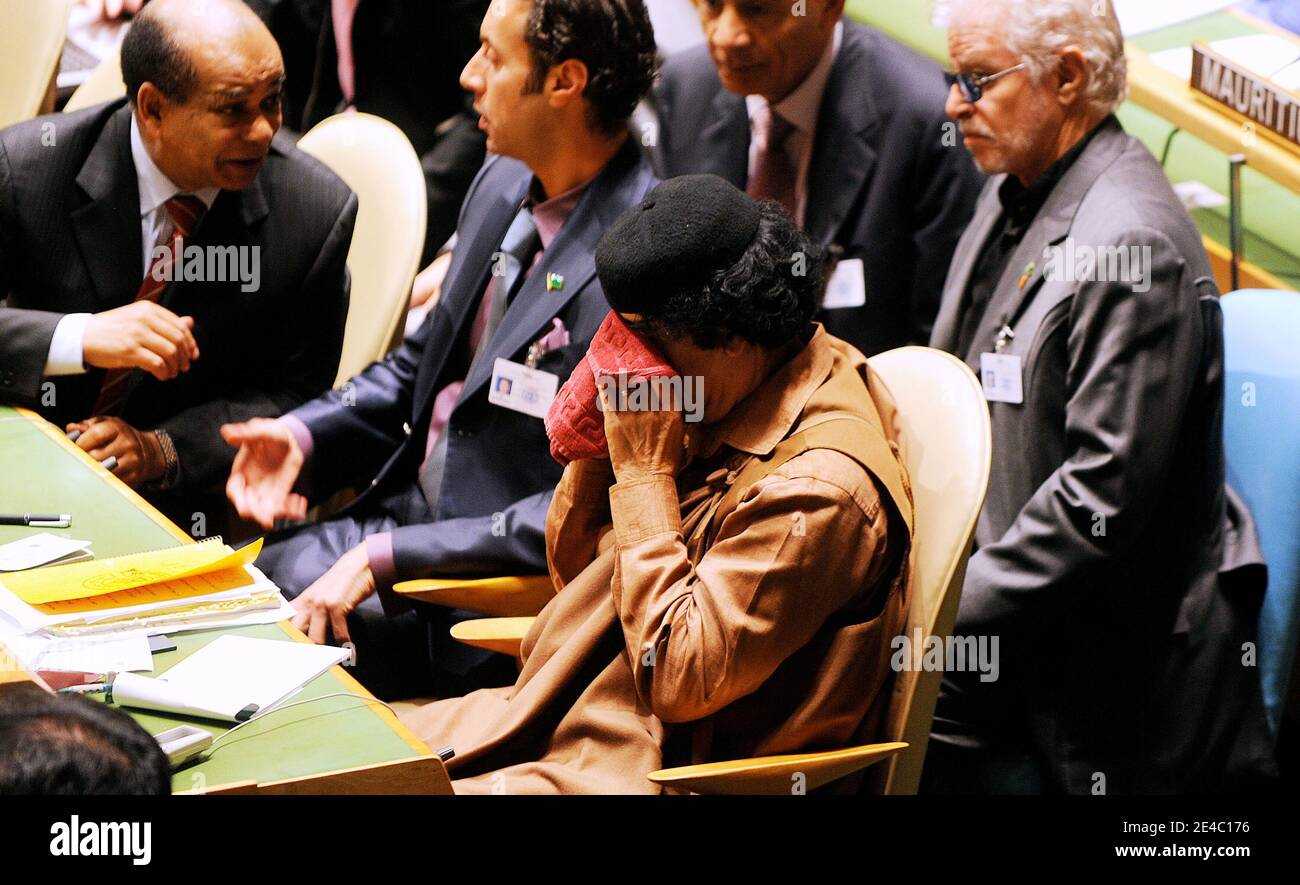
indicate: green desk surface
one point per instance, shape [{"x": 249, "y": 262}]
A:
[
  {"x": 1271, "y": 210},
  {"x": 37, "y": 474}
]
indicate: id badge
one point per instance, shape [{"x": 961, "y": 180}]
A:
[
  {"x": 848, "y": 286},
  {"x": 522, "y": 389},
  {"x": 1000, "y": 373}
]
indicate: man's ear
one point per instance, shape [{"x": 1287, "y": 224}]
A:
[
  {"x": 568, "y": 82},
  {"x": 149, "y": 107},
  {"x": 1073, "y": 76}
]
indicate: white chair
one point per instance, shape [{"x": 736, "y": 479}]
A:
[
  {"x": 31, "y": 42},
  {"x": 103, "y": 84},
  {"x": 379, "y": 164},
  {"x": 944, "y": 441}
]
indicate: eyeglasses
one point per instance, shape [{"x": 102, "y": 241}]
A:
[{"x": 972, "y": 88}]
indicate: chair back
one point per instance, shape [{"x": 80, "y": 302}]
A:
[
  {"x": 1261, "y": 429},
  {"x": 31, "y": 43},
  {"x": 944, "y": 442},
  {"x": 377, "y": 161},
  {"x": 104, "y": 84}
]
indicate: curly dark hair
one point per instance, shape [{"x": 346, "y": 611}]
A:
[
  {"x": 150, "y": 54},
  {"x": 767, "y": 297},
  {"x": 613, "y": 38}
]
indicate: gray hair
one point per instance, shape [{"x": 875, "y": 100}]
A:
[{"x": 1036, "y": 30}]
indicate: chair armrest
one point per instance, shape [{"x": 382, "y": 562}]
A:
[
  {"x": 494, "y": 634},
  {"x": 505, "y": 597},
  {"x": 774, "y": 775}
]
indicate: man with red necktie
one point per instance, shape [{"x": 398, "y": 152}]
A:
[{"x": 119, "y": 324}]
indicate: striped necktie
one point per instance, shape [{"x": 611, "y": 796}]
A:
[{"x": 185, "y": 212}]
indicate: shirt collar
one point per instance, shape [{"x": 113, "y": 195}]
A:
[
  {"x": 1018, "y": 199},
  {"x": 155, "y": 187},
  {"x": 761, "y": 420},
  {"x": 800, "y": 107},
  {"x": 550, "y": 214}
]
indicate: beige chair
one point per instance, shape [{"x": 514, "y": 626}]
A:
[
  {"x": 31, "y": 42},
  {"x": 944, "y": 441},
  {"x": 103, "y": 84},
  {"x": 379, "y": 164}
]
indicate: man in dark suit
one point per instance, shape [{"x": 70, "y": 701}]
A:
[
  {"x": 1082, "y": 295},
  {"x": 843, "y": 126},
  {"x": 455, "y": 483},
  {"x": 171, "y": 265},
  {"x": 397, "y": 59}
]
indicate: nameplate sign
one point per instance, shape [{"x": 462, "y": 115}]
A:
[{"x": 1256, "y": 98}]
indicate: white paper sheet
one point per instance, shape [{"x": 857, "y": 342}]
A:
[
  {"x": 40, "y": 549},
  {"x": 230, "y": 674},
  {"x": 99, "y": 654},
  {"x": 1141, "y": 16}
]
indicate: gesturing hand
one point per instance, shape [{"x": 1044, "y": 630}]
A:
[
  {"x": 265, "y": 469},
  {"x": 141, "y": 335}
]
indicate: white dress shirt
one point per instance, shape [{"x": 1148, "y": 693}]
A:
[
  {"x": 66, "y": 347},
  {"x": 799, "y": 108}
]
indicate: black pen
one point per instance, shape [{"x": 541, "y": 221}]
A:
[{"x": 41, "y": 520}]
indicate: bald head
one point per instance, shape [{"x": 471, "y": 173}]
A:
[
  {"x": 205, "y": 77},
  {"x": 170, "y": 41}
]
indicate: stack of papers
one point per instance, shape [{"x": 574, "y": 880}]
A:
[{"x": 194, "y": 587}]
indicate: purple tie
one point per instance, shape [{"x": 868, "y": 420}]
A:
[{"x": 773, "y": 175}]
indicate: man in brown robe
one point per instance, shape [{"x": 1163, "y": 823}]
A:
[{"x": 724, "y": 589}]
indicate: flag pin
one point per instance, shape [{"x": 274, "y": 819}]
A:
[
  {"x": 554, "y": 282},
  {"x": 1029, "y": 272}
]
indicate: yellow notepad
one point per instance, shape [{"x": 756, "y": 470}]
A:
[{"x": 156, "y": 570}]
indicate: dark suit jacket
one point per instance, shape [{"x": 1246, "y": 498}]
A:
[
  {"x": 884, "y": 183},
  {"x": 407, "y": 55},
  {"x": 499, "y": 474},
  {"x": 1100, "y": 543},
  {"x": 70, "y": 243}
]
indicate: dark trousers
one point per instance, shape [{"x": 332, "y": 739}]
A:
[{"x": 405, "y": 651}]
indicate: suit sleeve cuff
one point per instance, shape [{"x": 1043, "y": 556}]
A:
[
  {"x": 66, "y": 356},
  {"x": 302, "y": 435},
  {"x": 379, "y": 550},
  {"x": 644, "y": 508}
]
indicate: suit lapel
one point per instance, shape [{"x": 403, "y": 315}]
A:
[
  {"x": 107, "y": 227},
  {"x": 1024, "y": 272},
  {"x": 467, "y": 280},
  {"x": 722, "y": 148},
  {"x": 572, "y": 255},
  {"x": 842, "y": 159},
  {"x": 947, "y": 324}
]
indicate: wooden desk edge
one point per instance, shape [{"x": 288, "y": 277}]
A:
[{"x": 1167, "y": 96}]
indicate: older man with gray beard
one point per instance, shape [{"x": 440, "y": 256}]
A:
[{"x": 1083, "y": 297}]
